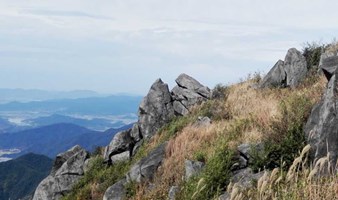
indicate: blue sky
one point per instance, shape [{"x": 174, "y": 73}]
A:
[{"x": 114, "y": 46}]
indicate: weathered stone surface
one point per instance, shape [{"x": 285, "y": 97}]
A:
[
  {"x": 276, "y": 76},
  {"x": 203, "y": 121},
  {"x": 116, "y": 191},
  {"x": 67, "y": 170},
  {"x": 287, "y": 73},
  {"x": 244, "y": 178},
  {"x": 322, "y": 126},
  {"x": 295, "y": 67},
  {"x": 121, "y": 143},
  {"x": 172, "y": 192},
  {"x": 185, "y": 81},
  {"x": 146, "y": 168},
  {"x": 328, "y": 64},
  {"x": 155, "y": 110},
  {"x": 187, "y": 93},
  {"x": 179, "y": 108},
  {"x": 192, "y": 168}
]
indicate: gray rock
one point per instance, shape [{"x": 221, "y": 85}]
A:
[
  {"x": 244, "y": 178},
  {"x": 180, "y": 109},
  {"x": 155, "y": 110},
  {"x": 287, "y": 73},
  {"x": 116, "y": 191},
  {"x": 188, "y": 93},
  {"x": 321, "y": 128},
  {"x": 202, "y": 121},
  {"x": 187, "y": 82},
  {"x": 192, "y": 168},
  {"x": 328, "y": 64},
  {"x": 276, "y": 76},
  {"x": 172, "y": 192},
  {"x": 135, "y": 133},
  {"x": 146, "y": 168},
  {"x": 124, "y": 156},
  {"x": 64, "y": 175},
  {"x": 245, "y": 149},
  {"x": 295, "y": 67},
  {"x": 121, "y": 143}
]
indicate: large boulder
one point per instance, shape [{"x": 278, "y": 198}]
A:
[
  {"x": 322, "y": 127},
  {"x": 120, "y": 148},
  {"x": 188, "y": 93},
  {"x": 276, "y": 76},
  {"x": 295, "y": 67},
  {"x": 287, "y": 73},
  {"x": 155, "y": 110},
  {"x": 116, "y": 191},
  {"x": 146, "y": 168},
  {"x": 67, "y": 170},
  {"x": 328, "y": 64}
]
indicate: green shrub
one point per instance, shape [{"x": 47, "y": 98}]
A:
[
  {"x": 287, "y": 137},
  {"x": 312, "y": 52},
  {"x": 213, "y": 179},
  {"x": 98, "y": 174}
]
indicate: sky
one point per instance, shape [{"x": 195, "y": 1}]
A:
[{"x": 123, "y": 46}]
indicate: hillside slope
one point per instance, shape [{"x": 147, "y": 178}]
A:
[{"x": 19, "y": 177}]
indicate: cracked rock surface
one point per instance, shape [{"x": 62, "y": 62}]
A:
[{"x": 68, "y": 168}]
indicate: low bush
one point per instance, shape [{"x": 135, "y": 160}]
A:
[{"x": 286, "y": 137}]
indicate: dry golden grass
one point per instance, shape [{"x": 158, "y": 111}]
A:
[{"x": 298, "y": 183}]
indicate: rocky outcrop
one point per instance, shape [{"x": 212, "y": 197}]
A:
[
  {"x": 146, "y": 168},
  {"x": 287, "y": 73},
  {"x": 187, "y": 93},
  {"x": 67, "y": 170},
  {"x": 322, "y": 127},
  {"x": 155, "y": 110}
]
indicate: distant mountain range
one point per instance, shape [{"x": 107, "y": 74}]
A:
[
  {"x": 26, "y": 95},
  {"x": 53, "y": 139},
  {"x": 97, "y": 113},
  {"x": 20, "y": 177},
  {"x": 111, "y": 105}
]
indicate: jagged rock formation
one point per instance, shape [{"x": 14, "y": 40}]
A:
[
  {"x": 287, "y": 73},
  {"x": 156, "y": 109},
  {"x": 187, "y": 93},
  {"x": 68, "y": 168},
  {"x": 322, "y": 126}
]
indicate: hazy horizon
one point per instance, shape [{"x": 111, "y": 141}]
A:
[{"x": 124, "y": 46}]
